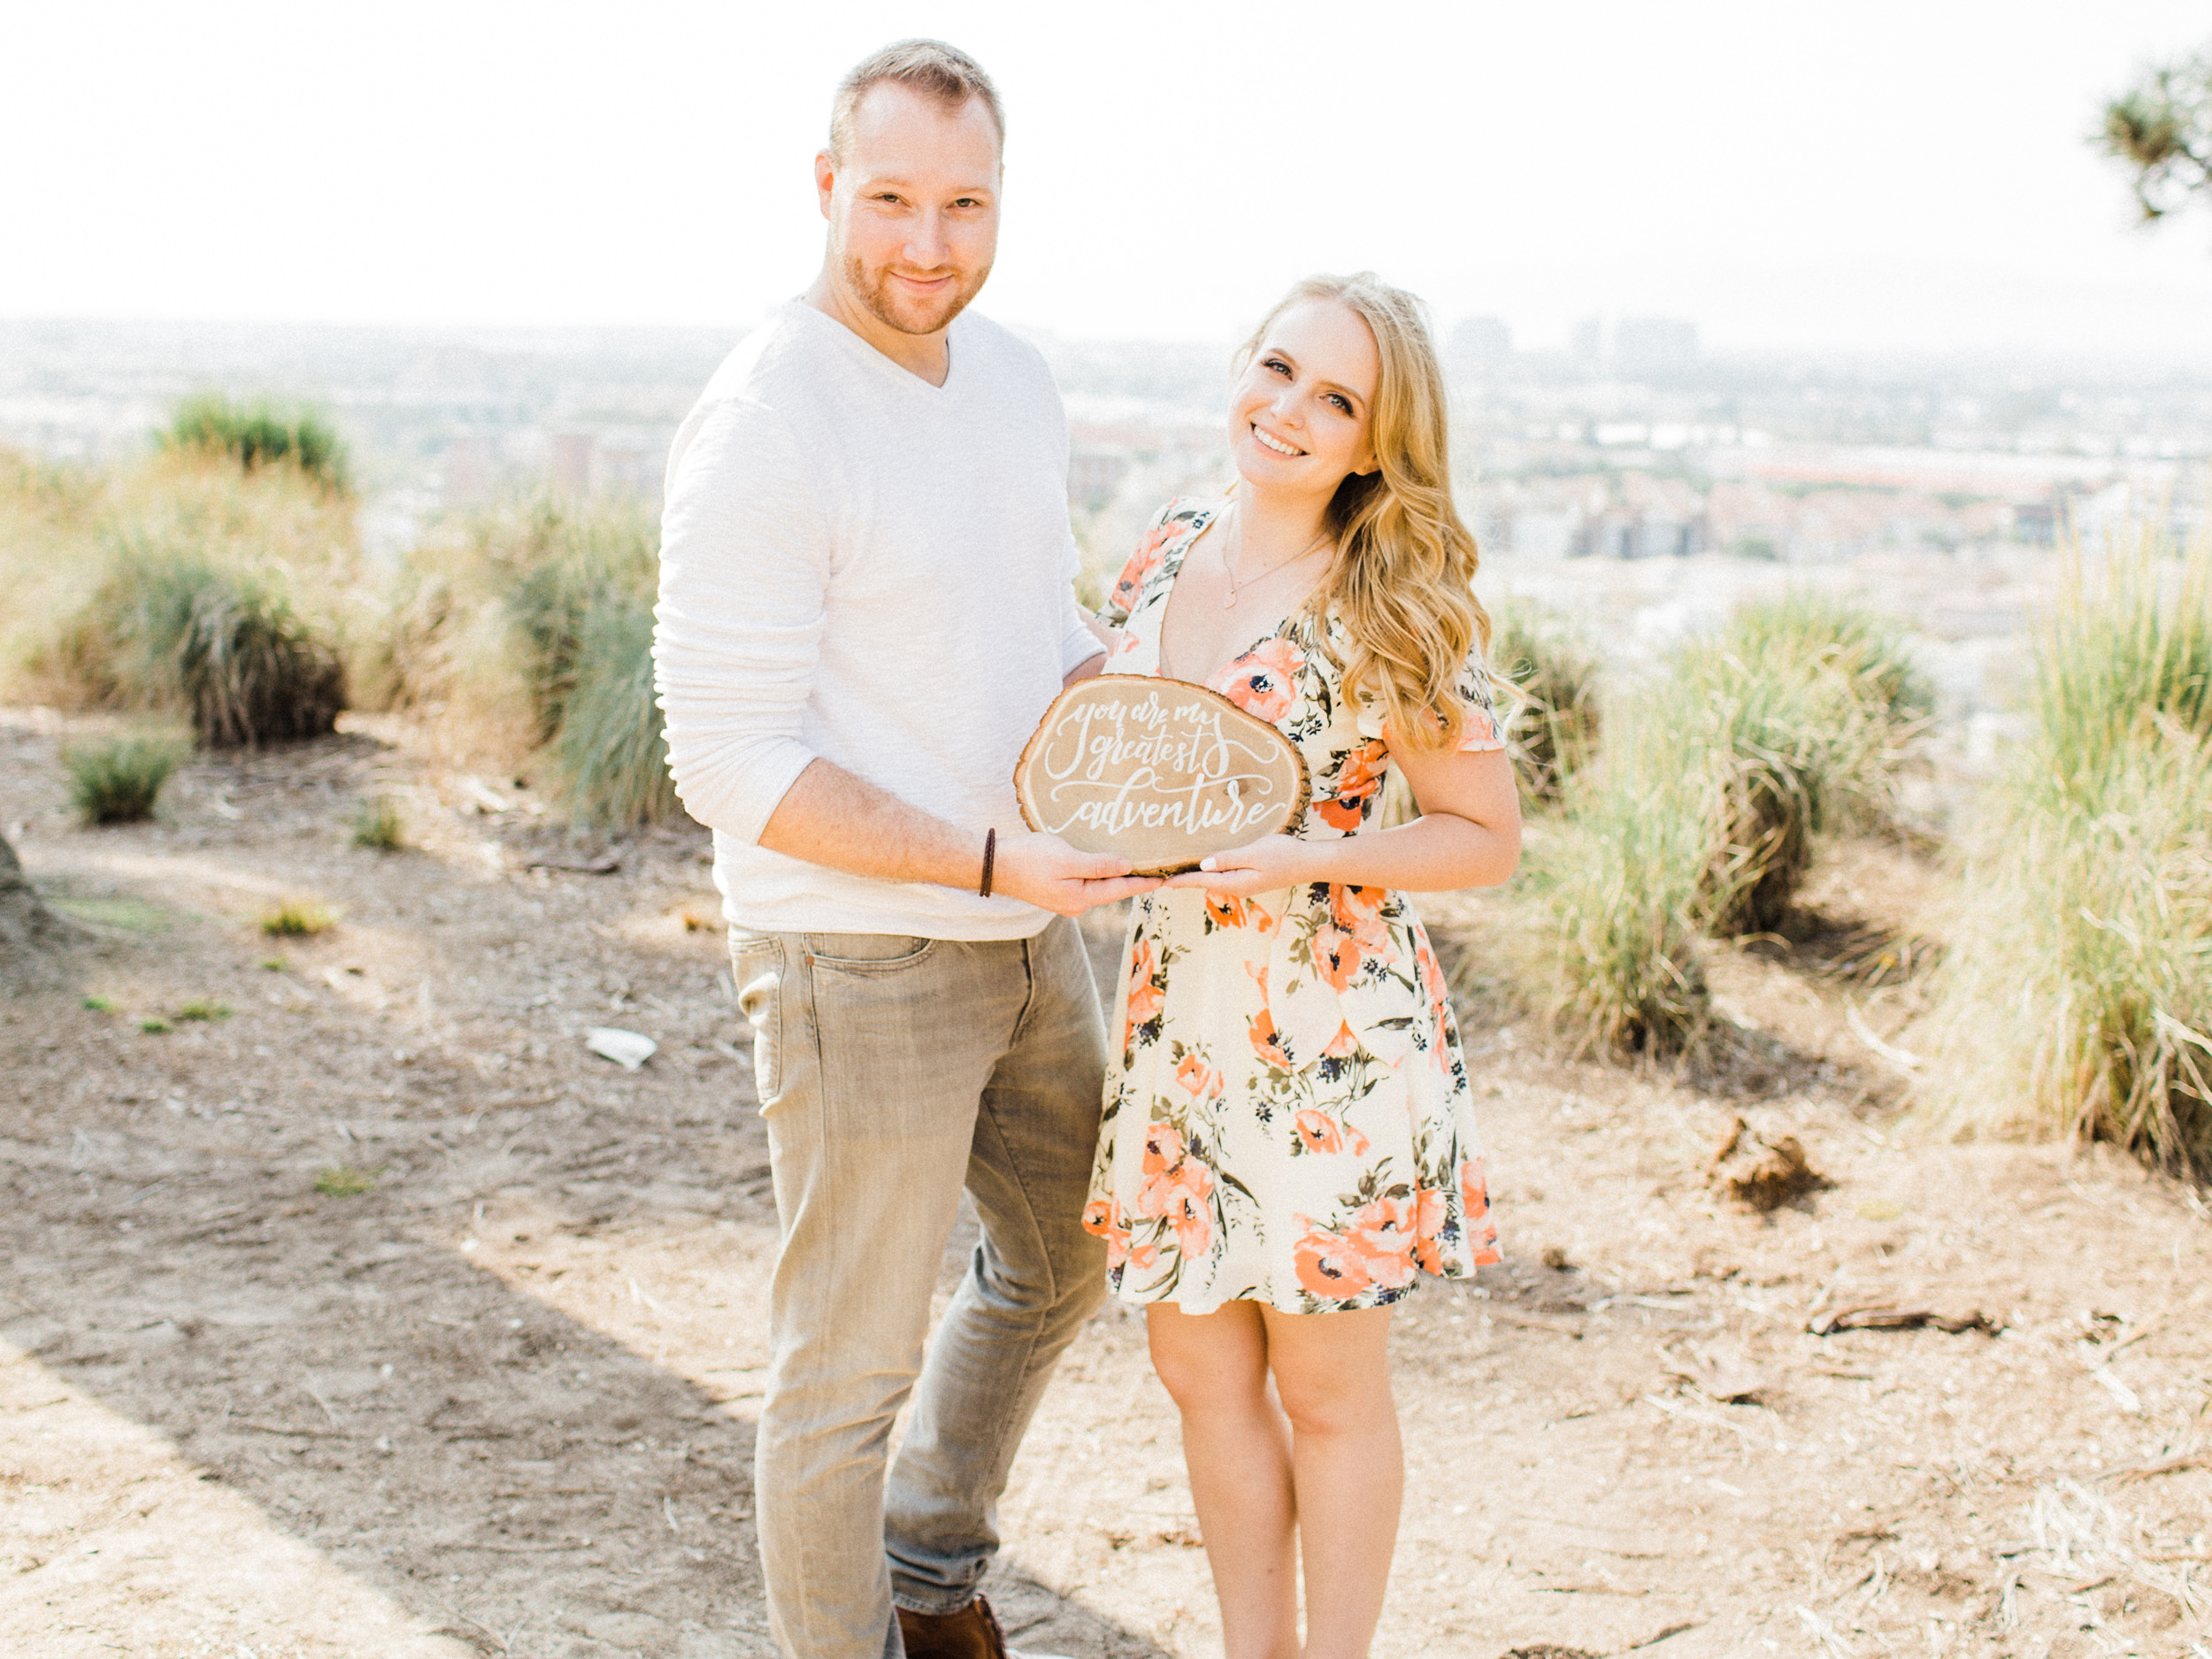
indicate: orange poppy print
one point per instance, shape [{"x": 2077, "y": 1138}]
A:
[
  {"x": 1142, "y": 565},
  {"x": 1328, "y": 1266},
  {"x": 1336, "y": 956},
  {"x": 1144, "y": 990},
  {"x": 1319, "y": 1132},
  {"x": 1431, "y": 1211},
  {"x": 1359, "y": 912},
  {"x": 1383, "y": 1237},
  {"x": 1267, "y": 1042},
  {"x": 1359, "y": 782},
  {"x": 1197, "y": 1076},
  {"x": 1264, "y": 681}
]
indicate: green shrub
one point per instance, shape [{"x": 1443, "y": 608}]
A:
[
  {"x": 1555, "y": 729},
  {"x": 345, "y": 1181},
  {"x": 260, "y": 434},
  {"x": 118, "y": 782},
  {"x": 378, "y": 826},
  {"x": 172, "y": 629},
  {"x": 2076, "y": 997},
  {"x": 206, "y": 1009}
]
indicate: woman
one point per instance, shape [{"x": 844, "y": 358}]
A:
[{"x": 1289, "y": 1134}]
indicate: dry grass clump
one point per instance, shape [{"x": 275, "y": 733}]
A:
[
  {"x": 1616, "y": 883},
  {"x": 1699, "y": 820},
  {"x": 610, "y": 748},
  {"x": 298, "y": 919},
  {"x": 1794, "y": 718},
  {"x": 118, "y": 781},
  {"x": 1554, "y": 731},
  {"x": 378, "y": 825},
  {"x": 1550, "y": 713},
  {"x": 532, "y": 626},
  {"x": 173, "y": 629},
  {"x": 182, "y": 582},
  {"x": 345, "y": 1181},
  {"x": 2076, "y": 997}
]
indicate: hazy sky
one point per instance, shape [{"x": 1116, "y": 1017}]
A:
[{"x": 1877, "y": 175}]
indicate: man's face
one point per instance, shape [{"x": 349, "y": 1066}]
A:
[{"x": 912, "y": 208}]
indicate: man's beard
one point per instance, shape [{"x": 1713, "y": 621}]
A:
[{"x": 909, "y": 316}]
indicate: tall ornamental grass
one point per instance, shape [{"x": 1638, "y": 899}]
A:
[
  {"x": 1700, "y": 820},
  {"x": 83, "y": 550},
  {"x": 173, "y": 629},
  {"x": 1554, "y": 731},
  {"x": 1550, "y": 713},
  {"x": 2076, "y": 999},
  {"x": 532, "y": 625},
  {"x": 1793, "y": 718},
  {"x": 1615, "y": 882}
]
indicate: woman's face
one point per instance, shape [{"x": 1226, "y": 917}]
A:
[{"x": 1300, "y": 416}]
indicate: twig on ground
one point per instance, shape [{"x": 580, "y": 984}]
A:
[{"x": 1899, "y": 1319}]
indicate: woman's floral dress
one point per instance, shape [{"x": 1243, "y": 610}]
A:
[{"x": 1288, "y": 1119}]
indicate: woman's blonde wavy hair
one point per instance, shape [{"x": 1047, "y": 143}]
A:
[{"x": 1403, "y": 582}]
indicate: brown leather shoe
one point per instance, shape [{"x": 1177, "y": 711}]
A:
[{"x": 971, "y": 1633}]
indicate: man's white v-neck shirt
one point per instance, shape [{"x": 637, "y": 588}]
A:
[{"x": 860, "y": 566}]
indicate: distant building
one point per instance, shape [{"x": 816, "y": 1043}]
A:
[
  {"x": 1587, "y": 342},
  {"x": 1654, "y": 347}
]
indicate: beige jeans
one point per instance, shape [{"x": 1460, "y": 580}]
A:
[{"x": 893, "y": 1072}]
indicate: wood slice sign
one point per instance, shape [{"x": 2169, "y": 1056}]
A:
[{"x": 1161, "y": 772}]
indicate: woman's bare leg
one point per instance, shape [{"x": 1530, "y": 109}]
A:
[
  {"x": 1236, "y": 1443},
  {"x": 1333, "y": 1375}
]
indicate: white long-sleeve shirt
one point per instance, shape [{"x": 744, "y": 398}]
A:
[{"x": 860, "y": 566}]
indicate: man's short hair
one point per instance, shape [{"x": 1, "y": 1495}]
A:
[{"x": 944, "y": 73}]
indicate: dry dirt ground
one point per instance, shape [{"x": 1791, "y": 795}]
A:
[{"x": 501, "y": 1402}]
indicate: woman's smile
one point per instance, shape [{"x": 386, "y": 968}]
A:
[{"x": 1270, "y": 440}]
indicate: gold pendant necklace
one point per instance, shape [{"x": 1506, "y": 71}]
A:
[{"x": 1229, "y": 569}]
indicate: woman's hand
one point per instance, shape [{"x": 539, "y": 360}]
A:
[{"x": 1270, "y": 863}]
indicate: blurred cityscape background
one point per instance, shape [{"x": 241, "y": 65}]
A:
[{"x": 1632, "y": 443}]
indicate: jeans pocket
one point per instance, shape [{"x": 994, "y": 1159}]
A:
[
  {"x": 867, "y": 953},
  {"x": 756, "y": 965}
]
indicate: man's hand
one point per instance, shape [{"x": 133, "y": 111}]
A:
[
  {"x": 1267, "y": 865},
  {"x": 1047, "y": 872}
]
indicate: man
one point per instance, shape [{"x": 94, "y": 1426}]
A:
[{"x": 865, "y": 606}]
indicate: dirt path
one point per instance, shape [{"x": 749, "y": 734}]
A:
[{"x": 501, "y": 1402}]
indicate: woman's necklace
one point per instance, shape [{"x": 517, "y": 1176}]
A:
[{"x": 1229, "y": 556}]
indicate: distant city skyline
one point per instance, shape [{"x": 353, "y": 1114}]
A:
[{"x": 1898, "y": 178}]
